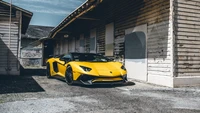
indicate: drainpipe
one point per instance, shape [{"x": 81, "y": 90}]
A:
[
  {"x": 10, "y": 22},
  {"x": 9, "y": 50},
  {"x": 171, "y": 28},
  {"x": 19, "y": 42}
]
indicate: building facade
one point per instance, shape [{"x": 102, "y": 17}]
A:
[
  {"x": 14, "y": 22},
  {"x": 157, "y": 39}
]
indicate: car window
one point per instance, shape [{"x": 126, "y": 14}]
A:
[
  {"x": 66, "y": 57},
  {"x": 90, "y": 57}
]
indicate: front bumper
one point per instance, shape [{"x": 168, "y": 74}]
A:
[{"x": 92, "y": 80}]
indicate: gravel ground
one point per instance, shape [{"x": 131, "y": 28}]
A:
[{"x": 55, "y": 96}]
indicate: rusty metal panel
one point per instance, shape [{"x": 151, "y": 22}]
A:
[{"x": 187, "y": 37}]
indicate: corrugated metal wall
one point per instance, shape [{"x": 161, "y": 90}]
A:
[
  {"x": 9, "y": 63},
  {"x": 187, "y": 20}
]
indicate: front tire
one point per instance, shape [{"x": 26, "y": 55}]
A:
[
  {"x": 48, "y": 73},
  {"x": 69, "y": 76}
]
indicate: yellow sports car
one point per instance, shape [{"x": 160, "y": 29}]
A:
[{"x": 86, "y": 68}]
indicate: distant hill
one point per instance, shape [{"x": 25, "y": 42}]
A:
[{"x": 37, "y": 32}]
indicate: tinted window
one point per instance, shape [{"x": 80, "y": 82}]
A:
[{"x": 89, "y": 57}]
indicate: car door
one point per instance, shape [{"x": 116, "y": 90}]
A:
[{"x": 62, "y": 61}]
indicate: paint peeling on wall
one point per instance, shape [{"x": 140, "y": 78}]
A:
[
  {"x": 31, "y": 57},
  {"x": 31, "y": 53}
]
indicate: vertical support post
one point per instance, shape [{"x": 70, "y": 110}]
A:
[
  {"x": 172, "y": 37},
  {"x": 9, "y": 41},
  {"x": 10, "y": 20},
  {"x": 19, "y": 41}
]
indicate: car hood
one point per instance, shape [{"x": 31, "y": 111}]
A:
[{"x": 103, "y": 68}]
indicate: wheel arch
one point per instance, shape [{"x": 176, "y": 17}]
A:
[{"x": 76, "y": 71}]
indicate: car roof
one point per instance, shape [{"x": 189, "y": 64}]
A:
[{"x": 83, "y": 53}]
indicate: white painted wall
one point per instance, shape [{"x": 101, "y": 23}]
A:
[{"x": 137, "y": 68}]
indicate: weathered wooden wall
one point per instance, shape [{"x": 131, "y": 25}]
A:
[
  {"x": 154, "y": 13},
  {"x": 127, "y": 14},
  {"x": 101, "y": 39},
  {"x": 9, "y": 63},
  {"x": 187, "y": 21}
]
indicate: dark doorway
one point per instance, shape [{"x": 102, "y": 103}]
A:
[{"x": 48, "y": 50}]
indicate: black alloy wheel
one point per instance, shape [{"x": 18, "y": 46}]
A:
[
  {"x": 48, "y": 74},
  {"x": 69, "y": 75}
]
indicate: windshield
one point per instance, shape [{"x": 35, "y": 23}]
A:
[{"x": 89, "y": 57}]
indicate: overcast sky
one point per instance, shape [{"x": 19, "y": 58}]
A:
[{"x": 48, "y": 12}]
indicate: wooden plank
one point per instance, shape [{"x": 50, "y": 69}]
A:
[
  {"x": 188, "y": 62},
  {"x": 159, "y": 69},
  {"x": 189, "y": 26},
  {"x": 189, "y": 38},
  {"x": 188, "y": 21},
  {"x": 165, "y": 73},
  {"x": 188, "y": 34},
  {"x": 188, "y": 58},
  {"x": 159, "y": 61},
  {"x": 188, "y": 74},
  {"x": 188, "y": 42}
]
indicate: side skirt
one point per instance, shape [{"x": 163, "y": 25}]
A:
[{"x": 58, "y": 77}]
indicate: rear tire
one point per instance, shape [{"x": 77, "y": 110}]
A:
[
  {"x": 48, "y": 73},
  {"x": 69, "y": 76}
]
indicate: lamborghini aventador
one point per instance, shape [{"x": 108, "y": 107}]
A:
[{"x": 86, "y": 68}]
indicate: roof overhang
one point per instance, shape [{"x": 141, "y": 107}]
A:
[
  {"x": 77, "y": 13},
  {"x": 26, "y": 15}
]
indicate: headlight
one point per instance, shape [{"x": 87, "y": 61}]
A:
[
  {"x": 123, "y": 67},
  {"x": 86, "y": 69}
]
